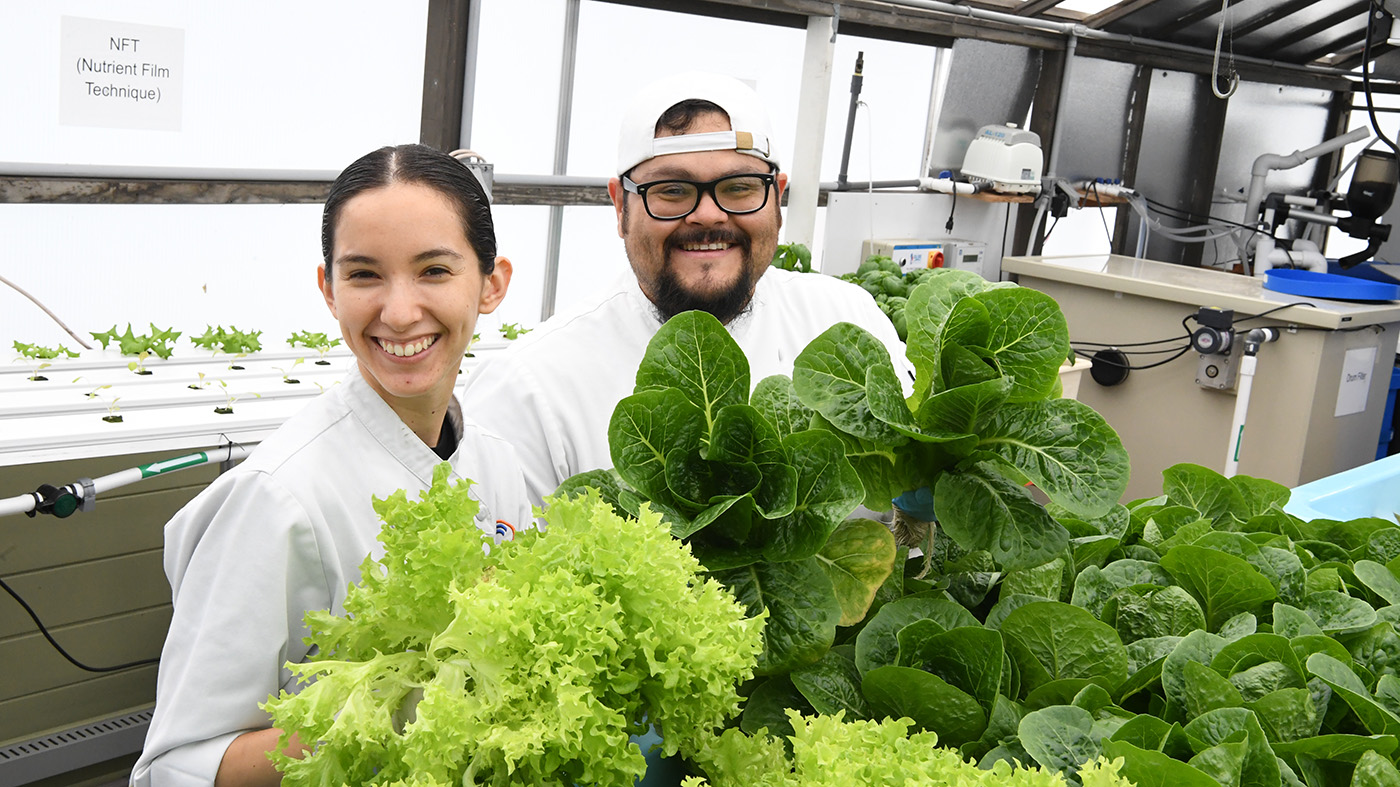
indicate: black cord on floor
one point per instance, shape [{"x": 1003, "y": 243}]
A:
[{"x": 44, "y": 630}]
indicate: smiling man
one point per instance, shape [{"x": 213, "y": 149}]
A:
[{"x": 698, "y": 198}]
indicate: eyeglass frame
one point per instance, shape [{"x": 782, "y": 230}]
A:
[{"x": 702, "y": 188}]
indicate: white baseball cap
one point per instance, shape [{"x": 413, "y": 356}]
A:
[{"x": 752, "y": 132}]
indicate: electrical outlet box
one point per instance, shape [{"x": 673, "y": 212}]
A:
[
  {"x": 908, "y": 254},
  {"x": 912, "y": 253}
]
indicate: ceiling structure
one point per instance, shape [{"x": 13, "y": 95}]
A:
[{"x": 1327, "y": 33}]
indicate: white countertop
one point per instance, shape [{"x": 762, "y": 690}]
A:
[{"x": 1200, "y": 287}]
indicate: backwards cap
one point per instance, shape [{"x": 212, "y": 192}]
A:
[{"x": 752, "y": 132}]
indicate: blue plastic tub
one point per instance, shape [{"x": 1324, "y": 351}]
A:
[
  {"x": 1369, "y": 490},
  {"x": 1388, "y": 418}
]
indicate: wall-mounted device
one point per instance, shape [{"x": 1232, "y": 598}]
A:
[
  {"x": 1006, "y": 158},
  {"x": 914, "y": 253},
  {"x": 1218, "y": 367}
]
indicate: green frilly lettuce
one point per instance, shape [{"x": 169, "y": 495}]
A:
[
  {"x": 531, "y": 662},
  {"x": 827, "y": 750}
]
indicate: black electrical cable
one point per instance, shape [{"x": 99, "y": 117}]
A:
[
  {"x": 1372, "y": 11},
  {"x": 44, "y": 630},
  {"x": 1271, "y": 311},
  {"x": 1186, "y": 215},
  {"x": 1089, "y": 346},
  {"x": 1180, "y": 353}
]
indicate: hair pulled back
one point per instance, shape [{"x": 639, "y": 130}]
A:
[{"x": 415, "y": 164}]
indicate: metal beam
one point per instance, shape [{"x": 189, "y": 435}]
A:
[
  {"x": 554, "y": 241},
  {"x": 1035, "y": 7},
  {"x": 1126, "y": 225},
  {"x": 1311, "y": 29},
  {"x": 1269, "y": 16},
  {"x": 444, "y": 70},
  {"x": 130, "y": 191},
  {"x": 1344, "y": 42},
  {"x": 812, "y": 105},
  {"x": 1112, "y": 14},
  {"x": 1203, "y": 11}
]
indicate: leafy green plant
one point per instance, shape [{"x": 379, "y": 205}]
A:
[
  {"x": 512, "y": 331},
  {"x": 882, "y": 277},
  {"x": 229, "y": 398},
  {"x": 158, "y": 342},
  {"x": 983, "y": 419},
  {"x": 199, "y": 384},
  {"x": 793, "y": 257},
  {"x": 760, "y": 498},
  {"x": 38, "y": 357},
  {"x": 96, "y": 393},
  {"x": 287, "y": 372},
  {"x": 231, "y": 340},
  {"x": 319, "y": 342},
  {"x": 138, "y": 366},
  {"x": 831, "y": 751},
  {"x": 530, "y": 662},
  {"x": 1201, "y": 637}
]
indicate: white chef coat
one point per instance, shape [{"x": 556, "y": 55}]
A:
[
  {"x": 283, "y": 533},
  {"x": 552, "y": 393}
]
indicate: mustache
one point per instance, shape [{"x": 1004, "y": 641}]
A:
[{"x": 733, "y": 237}]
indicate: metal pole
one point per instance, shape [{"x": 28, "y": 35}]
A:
[
  {"x": 935, "y": 107},
  {"x": 1051, "y": 166},
  {"x": 561, "y": 156},
  {"x": 804, "y": 176},
  {"x": 469, "y": 73},
  {"x": 856, "y": 80}
]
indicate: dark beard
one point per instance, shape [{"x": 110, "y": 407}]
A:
[{"x": 670, "y": 298}]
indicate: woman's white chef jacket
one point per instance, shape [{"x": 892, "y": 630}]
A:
[
  {"x": 283, "y": 533},
  {"x": 552, "y": 394}
]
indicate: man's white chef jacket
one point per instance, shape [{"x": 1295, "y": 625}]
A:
[
  {"x": 552, "y": 393},
  {"x": 283, "y": 533}
]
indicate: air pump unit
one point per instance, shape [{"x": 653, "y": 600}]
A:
[{"x": 1005, "y": 157}]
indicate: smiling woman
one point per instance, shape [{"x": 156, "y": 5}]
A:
[{"x": 410, "y": 262}]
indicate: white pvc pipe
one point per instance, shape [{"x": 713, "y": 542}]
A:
[
  {"x": 23, "y": 504},
  {"x": 1232, "y": 458},
  {"x": 1272, "y": 161},
  {"x": 946, "y": 186}
]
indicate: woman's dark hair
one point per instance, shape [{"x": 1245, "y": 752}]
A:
[{"x": 415, "y": 164}]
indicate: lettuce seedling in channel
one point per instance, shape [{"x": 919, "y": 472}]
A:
[
  {"x": 513, "y": 331},
  {"x": 159, "y": 342},
  {"x": 38, "y": 357},
  {"x": 319, "y": 342},
  {"x": 287, "y": 372},
  {"x": 231, "y": 340}
]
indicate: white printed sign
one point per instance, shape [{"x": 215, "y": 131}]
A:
[
  {"x": 1357, "y": 369},
  {"x": 121, "y": 75}
]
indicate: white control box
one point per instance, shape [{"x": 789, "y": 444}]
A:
[
  {"x": 913, "y": 253},
  {"x": 908, "y": 254}
]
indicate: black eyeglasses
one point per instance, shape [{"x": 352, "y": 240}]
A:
[{"x": 668, "y": 200}]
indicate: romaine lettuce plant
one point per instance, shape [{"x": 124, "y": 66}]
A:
[
  {"x": 759, "y": 496},
  {"x": 983, "y": 419}
]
